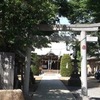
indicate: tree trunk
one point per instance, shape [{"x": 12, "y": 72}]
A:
[{"x": 27, "y": 71}]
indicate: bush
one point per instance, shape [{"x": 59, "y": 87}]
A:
[
  {"x": 35, "y": 70},
  {"x": 66, "y": 65},
  {"x": 35, "y": 63}
]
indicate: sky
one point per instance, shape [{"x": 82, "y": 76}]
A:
[
  {"x": 56, "y": 48},
  {"x": 64, "y": 20}
]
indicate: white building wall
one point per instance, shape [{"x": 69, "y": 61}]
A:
[{"x": 58, "y": 48}]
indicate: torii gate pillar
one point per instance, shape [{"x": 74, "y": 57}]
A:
[{"x": 83, "y": 64}]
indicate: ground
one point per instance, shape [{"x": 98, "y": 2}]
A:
[
  {"x": 37, "y": 81},
  {"x": 93, "y": 85}
]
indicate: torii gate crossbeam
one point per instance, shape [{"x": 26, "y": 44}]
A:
[{"x": 72, "y": 27}]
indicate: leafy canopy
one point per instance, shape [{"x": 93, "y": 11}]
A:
[
  {"x": 86, "y": 11},
  {"x": 18, "y": 18}
]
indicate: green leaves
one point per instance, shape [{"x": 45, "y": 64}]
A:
[
  {"x": 66, "y": 65},
  {"x": 79, "y": 12},
  {"x": 94, "y": 6},
  {"x": 63, "y": 7},
  {"x": 86, "y": 11},
  {"x": 19, "y": 16}
]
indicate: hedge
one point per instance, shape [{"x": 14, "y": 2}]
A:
[{"x": 66, "y": 66}]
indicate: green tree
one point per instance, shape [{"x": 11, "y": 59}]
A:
[
  {"x": 18, "y": 20},
  {"x": 79, "y": 12},
  {"x": 63, "y": 7},
  {"x": 93, "y": 7},
  {"x": 85, "y": 11},
  {"x": 66, "y": 65}
]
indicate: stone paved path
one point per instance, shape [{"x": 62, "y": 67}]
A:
[{"x": 51, "y": 88}]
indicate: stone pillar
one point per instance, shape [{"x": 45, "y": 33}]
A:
[{"x": 83, "y": 64}]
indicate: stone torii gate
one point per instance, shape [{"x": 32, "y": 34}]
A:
[{"x": 82, "y": 28}]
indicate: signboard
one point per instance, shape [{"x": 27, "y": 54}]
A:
[
  {"x": 88, "y": 38},
  {"x": 6, "y": 70}
]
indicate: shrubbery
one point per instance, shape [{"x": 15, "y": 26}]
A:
[
  {"x": 35, "y": 64},
  {"x": 35, "y": 70},
  {"x": 66, "y": 65}
]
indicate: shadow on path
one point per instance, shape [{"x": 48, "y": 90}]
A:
[{"x": 51, "y": 88}]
